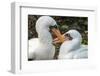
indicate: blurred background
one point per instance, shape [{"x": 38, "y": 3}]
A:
[{"x": 65, "y": 23}]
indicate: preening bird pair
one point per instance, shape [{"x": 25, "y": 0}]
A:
[{"x": 42, "y": 48}]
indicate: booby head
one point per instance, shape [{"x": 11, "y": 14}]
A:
[
  {"x": 45, "y": 22},
  {"x": 48, "y": 23},
  {"x": 68, "y": 36},
  {"x": 73, "y": 34}
]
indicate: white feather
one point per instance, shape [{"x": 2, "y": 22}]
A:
[{"x": 73, "y": 49}]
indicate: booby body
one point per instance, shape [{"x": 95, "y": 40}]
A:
[{"x": 41, "y": 48}]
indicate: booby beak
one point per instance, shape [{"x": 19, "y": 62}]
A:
[
  {"x": 56, "y": 31},
  {"x": 65, "y": 37}
]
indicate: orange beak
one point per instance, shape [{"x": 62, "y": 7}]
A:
[{"x": 60, "y": 37}]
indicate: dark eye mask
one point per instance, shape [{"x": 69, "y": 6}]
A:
[
  {"x": 69, "y": 37},
  {"x": 55, "y": 26}
]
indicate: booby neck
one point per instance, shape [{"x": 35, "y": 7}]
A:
[
  {"x": 42, "y": 28},
  {"x": 45, "y": 37},
  {"x": 73, "y": 44}
]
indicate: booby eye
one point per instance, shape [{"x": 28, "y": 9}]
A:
[
  {"x": 55, "y": 26},
  {"x": 67, "y": 35}
]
